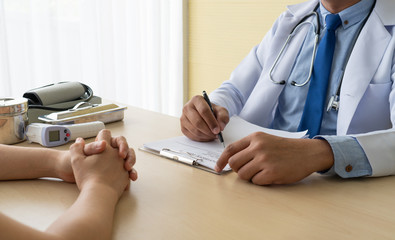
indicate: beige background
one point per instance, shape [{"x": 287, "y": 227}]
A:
[{"x": 221, "y": 34}]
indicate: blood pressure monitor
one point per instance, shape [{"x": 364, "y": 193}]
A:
[{"x": 55, "y": 135}]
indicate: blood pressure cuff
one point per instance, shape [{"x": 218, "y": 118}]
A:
[
  {"x": 57, "y": 97},
  {"x": 55, "y": 93}
]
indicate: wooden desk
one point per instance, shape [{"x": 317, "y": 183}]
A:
[{"x": 174, "y": 201}]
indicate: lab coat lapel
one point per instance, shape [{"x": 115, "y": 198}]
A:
[
  {"x": 363, "y": 63},
  {"x": 298, "y": 12},
  {"x": 265, "y": 88}
]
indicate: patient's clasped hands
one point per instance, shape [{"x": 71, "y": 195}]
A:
[{"x": 108, "y": 160}]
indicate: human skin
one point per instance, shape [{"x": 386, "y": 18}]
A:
[{"x": 102, "y": 171}]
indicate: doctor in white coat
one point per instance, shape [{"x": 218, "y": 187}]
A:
[{"x": 356, "y": 139}]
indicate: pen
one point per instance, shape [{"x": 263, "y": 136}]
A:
[{"x": 205, "y": 96}]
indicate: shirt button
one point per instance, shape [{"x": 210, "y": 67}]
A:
[
  {"x": 346, "y": 22},
  {"x": 348, "y": 168}
]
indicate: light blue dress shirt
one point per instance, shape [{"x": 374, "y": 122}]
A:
[{"x": 346, "y": 149}]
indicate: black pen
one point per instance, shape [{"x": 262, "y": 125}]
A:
[{"x": 205, "y": 96}]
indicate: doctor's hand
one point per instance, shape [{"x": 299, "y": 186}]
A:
[
  {"x": 198, "y": 122},
  {"x": 265, "y": 159}
]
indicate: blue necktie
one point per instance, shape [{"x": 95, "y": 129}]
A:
[{"x": 314, "y": 106}]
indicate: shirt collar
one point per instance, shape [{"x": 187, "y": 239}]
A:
[{"x": 351, "y": 15}]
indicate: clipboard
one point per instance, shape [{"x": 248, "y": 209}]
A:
[
  {"x": 204, "y": 155},
  {"x": 183, "y": 157}
]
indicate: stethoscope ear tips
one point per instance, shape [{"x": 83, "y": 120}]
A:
[{"x": 293, "y": 83}]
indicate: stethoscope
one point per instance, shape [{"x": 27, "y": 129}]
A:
[
  {"x": 316, "y": 29},
  {"x": 334, "y": 100}
]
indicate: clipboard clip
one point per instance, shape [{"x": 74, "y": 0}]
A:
[{"x": 180, "y": 156}]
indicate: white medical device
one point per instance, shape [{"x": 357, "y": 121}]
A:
[{"x": 49, "y": 135}]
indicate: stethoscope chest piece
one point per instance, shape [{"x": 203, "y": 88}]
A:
[{"x": 333, "y": 103}]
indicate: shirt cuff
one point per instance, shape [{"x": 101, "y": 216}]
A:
[{"x": 350, "y": 159}]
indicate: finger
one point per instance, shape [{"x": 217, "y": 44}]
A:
[
  {"x": 105, "y": 135},
  {"x": 222, "y": 116},
  {"x": 249, "y": 170},
  {"x": 195, "y": 134},
  {"x": 241, "y": 158},
  {"x": 77, "y": 149},
  {"x": 133, "y": 175},
  {"x": 193, "y": 120},
  {"x": 122, "y": 144},
  {"x": 229, "y": 151},
  {"x": 94, "y": 148},
  {"x": 207, "y": 115},
  {"x": 130, "y": 160},
  {"x": 261, "y": 178}
]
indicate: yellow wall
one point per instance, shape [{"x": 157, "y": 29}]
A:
[{"x": 221, "y": 34}]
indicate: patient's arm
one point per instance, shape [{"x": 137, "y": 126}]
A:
[
  {"x": 30, "y": 163},
  {"x": 102, "y": 178}
]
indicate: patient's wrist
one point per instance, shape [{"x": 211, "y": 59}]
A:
[
  {"x": 100, "y": 189},
  {"x": 61, "y": 166}
]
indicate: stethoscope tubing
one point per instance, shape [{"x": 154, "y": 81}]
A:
[{"x": 300, "y": 24}]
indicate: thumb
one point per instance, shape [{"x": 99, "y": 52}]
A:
[
  {"x": 77, "y": 149},
  {"x": 95, "y": 147},
  {"x": 222, "y": 116}
]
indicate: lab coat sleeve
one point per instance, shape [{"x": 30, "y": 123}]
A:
[
  {"x": 379, "y": 146},
  {"x": 232, "y": 94},
  {"x": 380, "y": 150}
]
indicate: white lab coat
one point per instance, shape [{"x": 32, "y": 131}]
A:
[{"x": 367, "y": 99}]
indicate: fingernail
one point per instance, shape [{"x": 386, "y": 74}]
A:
[
  {"x": 216, "y": 130},
  {"x": 222, "y": 125},
  {"x": 135, "y": 175},
  {"x": 216, "y": 168},
  {"x": 78, "y": 140}
]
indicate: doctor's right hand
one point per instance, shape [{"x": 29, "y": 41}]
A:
[{"x": 198, "y": 122}]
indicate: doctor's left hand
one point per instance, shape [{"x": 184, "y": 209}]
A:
[{"x": 266, "y": 159}]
